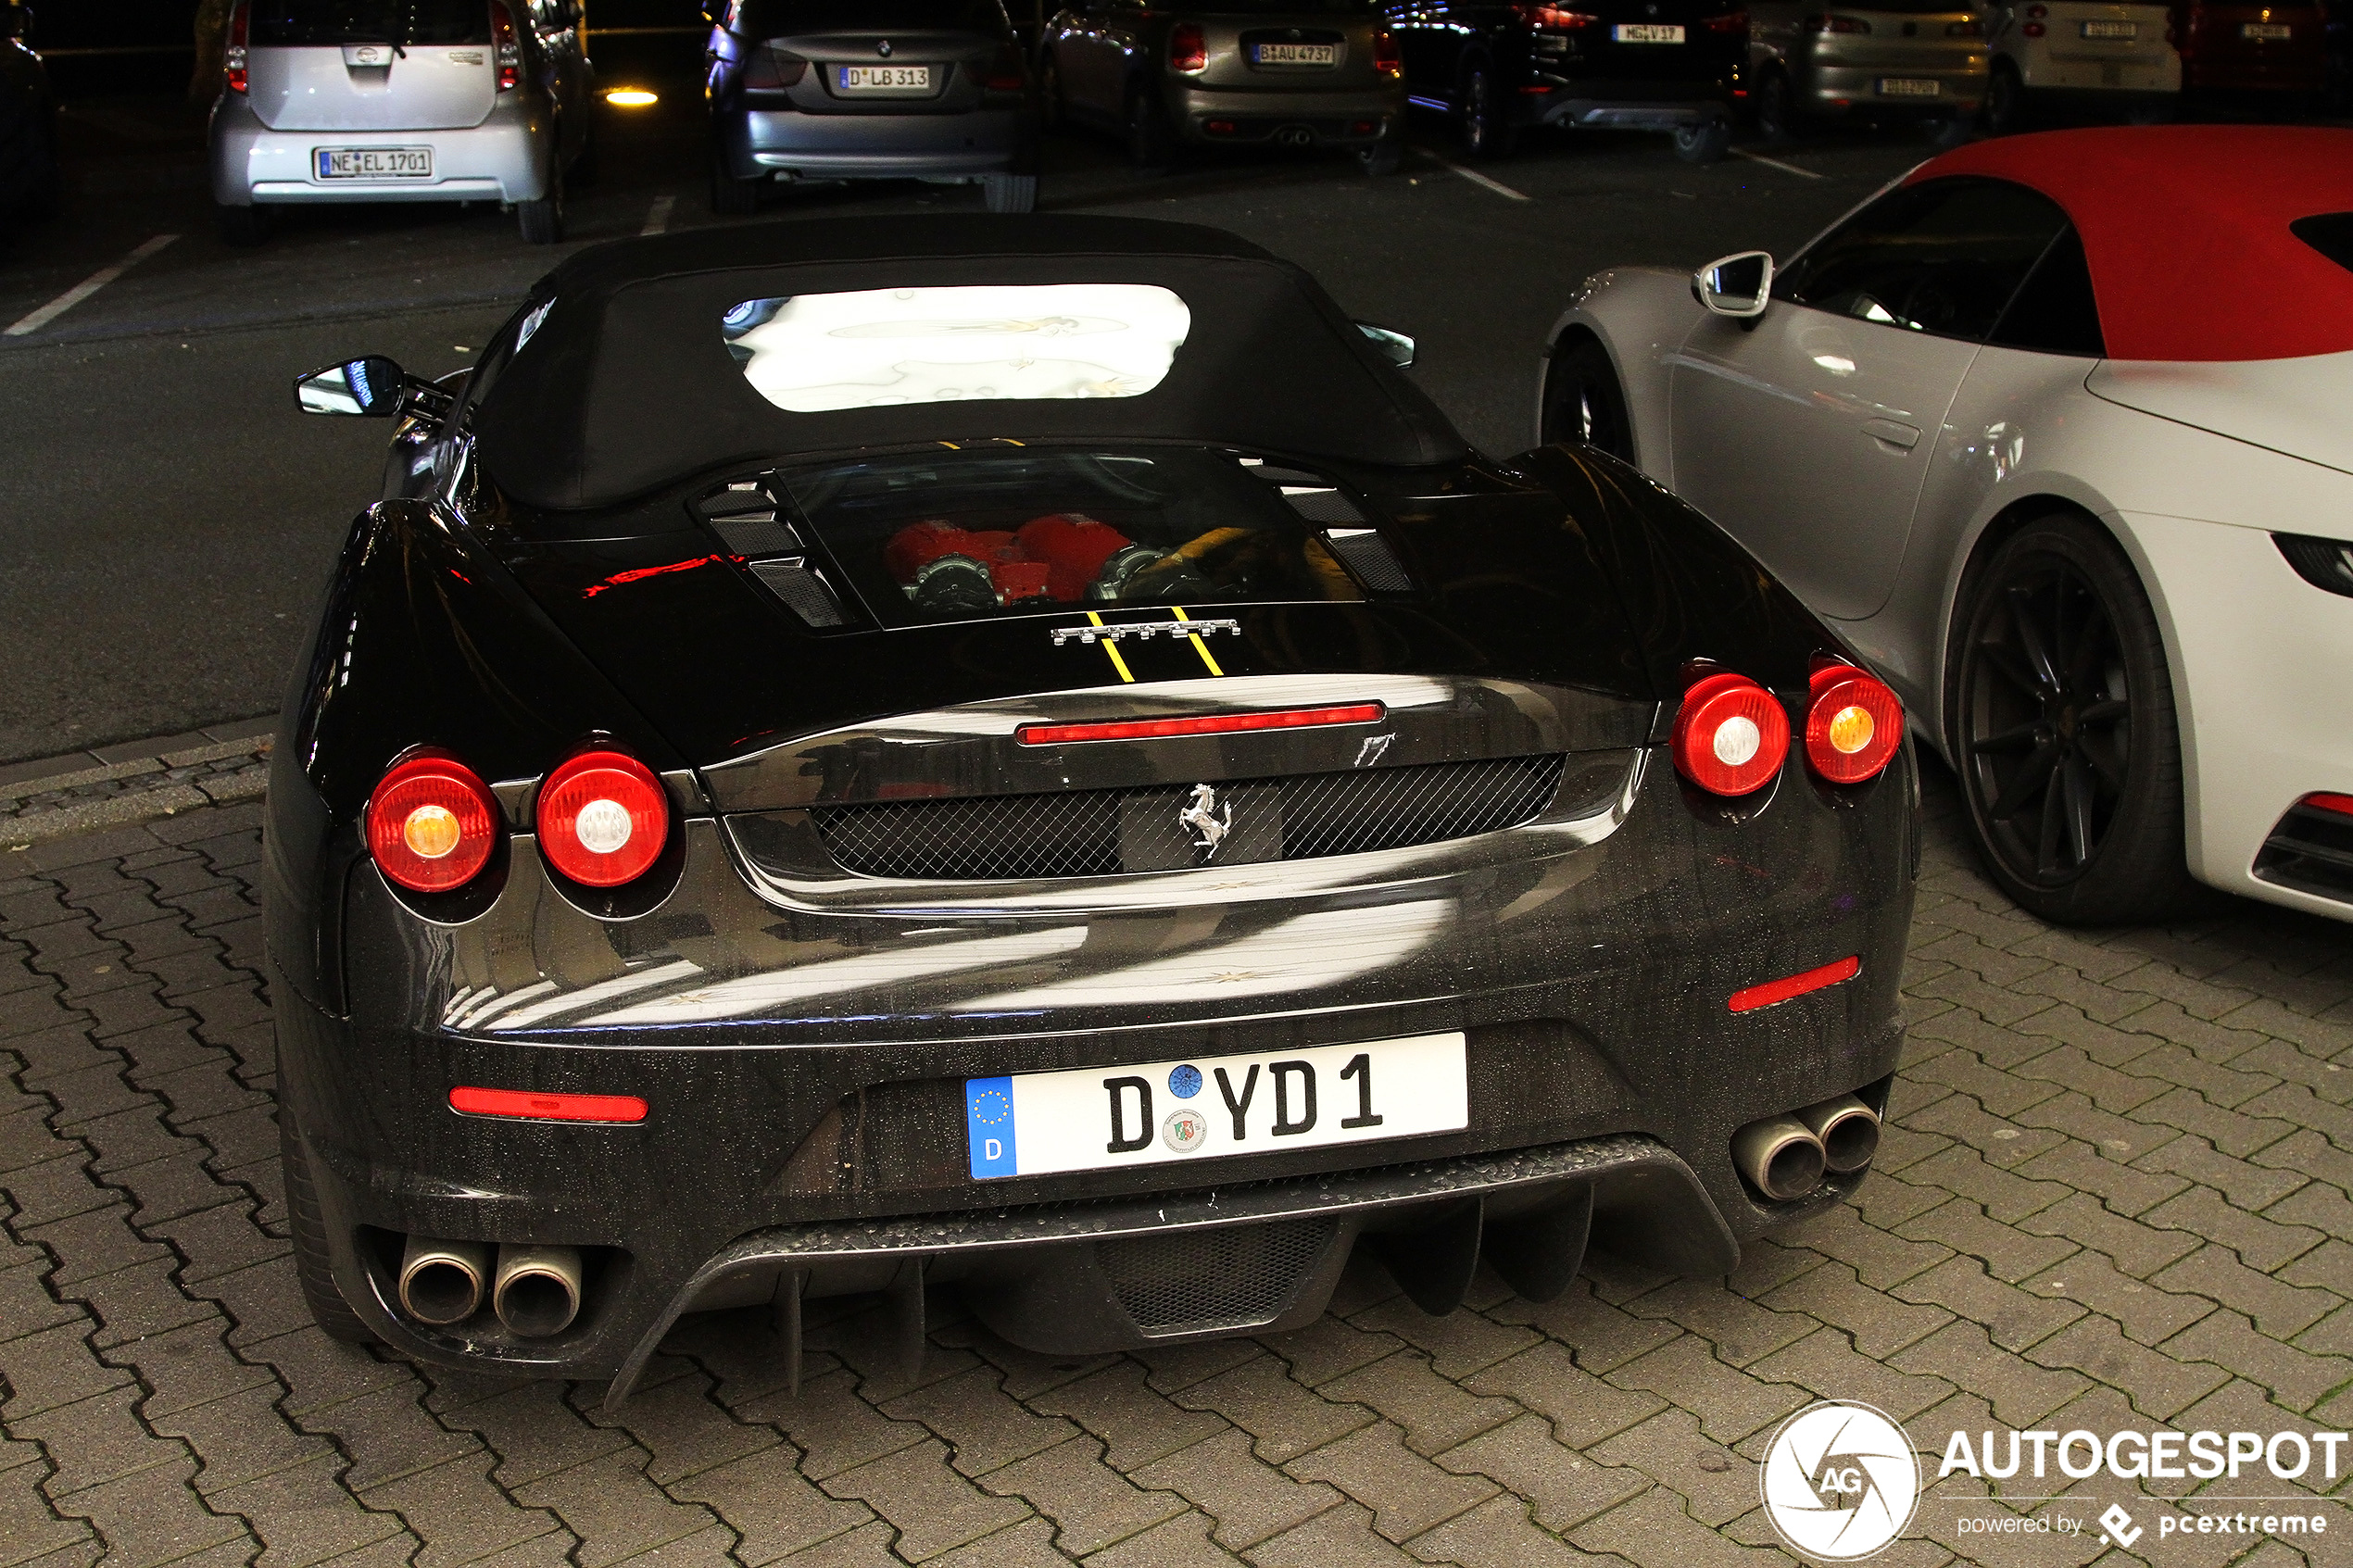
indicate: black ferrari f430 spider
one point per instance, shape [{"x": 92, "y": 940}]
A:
[{"x": 1026, "y": 753}]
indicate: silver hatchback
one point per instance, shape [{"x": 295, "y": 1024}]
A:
[
  {"x": 400, "y": 100},
  {"x": 1886, "y": 61}
]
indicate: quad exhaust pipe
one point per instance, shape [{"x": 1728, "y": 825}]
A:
[
  {"x": 537, "y": 1289},
  {"x": 1786, "y": 1157},
  {"x": 443, "y": 1282}
]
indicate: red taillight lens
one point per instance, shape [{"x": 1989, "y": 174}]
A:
[
  {"x": 2032, "y": 29},
  {"x": 1004, "y": 72},
  {"x": 1204, "y": 725},
  {"x": 1730, "y": 736},
  {"x": 546, "y": 1108},
  {"x": 1387, "y": 60},
  {"x": 502, "y": 38},
  {"x": 431, "y": 823},
  {"x": 602, "y": 819},
  {"x": 1790, "y": 986},
  {"x": 769, "y": 71},
  {"x": 234, "y": 59},
  {"x": 1853, "y": 724},
  {"x": 1554, "y": 18},
  {"x": 1730, "y": 21},
  {"x": 1188, "y": 47}
]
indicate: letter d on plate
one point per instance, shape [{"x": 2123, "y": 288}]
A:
[{"x": 988, "y": 1125}]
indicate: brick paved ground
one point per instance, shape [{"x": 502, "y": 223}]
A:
[{"x": 2117, "y": 1196}]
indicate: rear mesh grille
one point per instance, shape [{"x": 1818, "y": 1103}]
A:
[
  {"x": 1103, "y": 832},
  {"x": 1234, "y": 1276}
]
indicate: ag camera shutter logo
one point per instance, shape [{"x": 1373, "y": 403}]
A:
[{"x": 1840, "y": 1481}]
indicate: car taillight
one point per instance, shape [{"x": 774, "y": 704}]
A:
[
  {"x": 510, "y": 52},
  {"x": 1004, "y": 71},
  {"x": 234, "y": 59},
  {"x": 1970, "y": 29},
  {"x": 1853, "y": 724},
  {"x": 1840, "y": 24},
  {"x": 1387, "y": 61},
  {"x": 1188, "y": 47},
  {"x": 602, "y": 819},
  {"x": 2032, "y": 29},
  {"x": 1554, "y": 18},
  {"x": 1730, "y": 736},
  {"x": 772, "y": 70},
  {"x": 1730, "y": 21},
  {"x": 431, "y": 823}
]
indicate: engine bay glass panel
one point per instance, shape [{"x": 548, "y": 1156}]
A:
[
  {"x": 964, "y": 534},
  {"x": 816, "y": 353}
]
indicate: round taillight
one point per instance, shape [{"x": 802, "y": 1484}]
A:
[
  {"x": 602, "y": 819},
  {"x": 1853, "y": 724},
  {"x": 431, "y": 823},
  {"x": 1730, "y": 736}
]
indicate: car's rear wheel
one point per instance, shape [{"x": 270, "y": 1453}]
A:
[
  {"x": 1705, "y": 143},
  {"x": 1487, "y": 132},
  {"x": 1950, "y": 130},
  {"x": 242, "y": 225},
  {"x": 1584, "y": 403},
  {"x": 2005, "y": 100},
  {"x": 731, "y": 198},
  {"x": 1385, "y": 157},
  {"x": 2063, "y": 730},
  {"x": 585, "y": 165},
  {"x": 1151, "y": 141},
  {"x": 1778, "y": 119},
  {"x": 312, "y": 1270},
  {"x": 1009, "y": 192},
  {"x": 542, "y": 221},
  {"x": 1053, "y": 111}
]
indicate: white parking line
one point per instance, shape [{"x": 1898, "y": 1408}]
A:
[
  {"x": 1476, "y": 177},
  {"x": 1777, "y": 163},
  {"x": 87, "y": 287},
  {"x": 658, "y": 215}
]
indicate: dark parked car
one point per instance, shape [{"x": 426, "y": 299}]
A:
[
  {"x": 1644, "y": 64},
  {"x": 1026, "y": 753},
  {"x": 1298, "y": 73},
  {"x": 2259, "y": 57},
  {"x": 827, "y": 90},
  {"x": 29, "y": 171}
]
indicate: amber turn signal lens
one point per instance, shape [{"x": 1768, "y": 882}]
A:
[
  {"x": 1853, "y": 724},
  {"x": 431, "y": 823},
  {"x": 602, "y": 819}
]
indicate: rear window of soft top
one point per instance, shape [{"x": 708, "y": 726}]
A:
[{"x": 318, "y": 23}]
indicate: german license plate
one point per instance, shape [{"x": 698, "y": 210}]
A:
[
  {"x": 374, "y": 163},
  {"x": 1102, "y": 1118},
  {"x": 1648, "y": 33},
  {"x": 2112, "y": 30},
  {"x": 1295, "y": 54},
  {"x": 2269, "y": 33},
  {"x": 883, "y": 78},
  {"x": 1910, "y": 87}
]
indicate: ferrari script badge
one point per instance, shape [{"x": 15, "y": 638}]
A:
[{"x": 1201, "y": 819}]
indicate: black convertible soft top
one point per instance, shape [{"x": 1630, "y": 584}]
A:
[{"x": 627, "y": 383}]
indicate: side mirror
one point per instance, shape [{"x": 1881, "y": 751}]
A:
[
  {"x": 369, "y": 386},
  {"x": 1393, "y": 346},
  {"x": 1739, "y": 285}
]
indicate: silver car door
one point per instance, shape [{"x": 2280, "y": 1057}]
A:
[{"x": 1809, "y": 433}]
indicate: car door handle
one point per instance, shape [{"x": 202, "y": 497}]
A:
[{"x": 1895, "y": 434}]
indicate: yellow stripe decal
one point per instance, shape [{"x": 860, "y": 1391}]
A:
[
  {"x": 1199, "y": 646},
  {"x": 1110, "y": 647}
]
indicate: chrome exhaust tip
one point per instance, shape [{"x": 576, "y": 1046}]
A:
[
  {"x": 537, "y": 1291},
  {"x": 1780, "y": 1157},
  {"x": 442, "y": 1282},
  {"x": 1849, "y": 1130}
]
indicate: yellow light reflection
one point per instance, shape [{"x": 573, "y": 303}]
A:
[{"x": 631, "y": 98}]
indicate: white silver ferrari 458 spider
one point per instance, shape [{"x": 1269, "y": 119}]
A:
[{"x": 2057, "y": 430}]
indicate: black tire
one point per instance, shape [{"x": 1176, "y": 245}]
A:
[
  {"x": 241, "y": 226},
  {"x": 1151, "y": 141},
  {"x": 1009, "y": 192},
  {"x": 1053, "y": 109},
  {"x": 1385, "y": 157},
  {"x": 1705, "y": 143},
  {"x": 585, "y": 167},
  {"x": 1778, "y": 119},
  {"x": 731, "y": 198},
  {"x": 317, "y": 1276},
  {"x": 542, "y": 221},
  {"x": 1488, "y": 132},
  {"x": 2063, "y": 731},
  {"x": 1583, "y": 402},
  {"x": 2005, "y": 111},
  {"x": 1949, "y": 131}
]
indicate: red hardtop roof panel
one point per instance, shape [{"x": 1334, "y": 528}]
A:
[{"x": 2185, "y": 228}]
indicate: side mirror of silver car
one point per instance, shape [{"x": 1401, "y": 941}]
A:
[
  {"x": 1739, "y": 285},
  {"x": 1393, "y": 346},
  {"x": 369, "y": 386}
]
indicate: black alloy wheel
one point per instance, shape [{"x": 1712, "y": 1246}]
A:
[
  {"x": 1487, "y": 128},
  {"x": 2005, "y": 100},
  {"x": 542, "y": 221},
  {"x": 1777, "y": 117},
  {"x": 1385, "y": 157},
  {"x": 2064, "y": 733},
  {"x": 312, "y": 1270},
  {"x": 1053, "y": 111},
  {"x": 731, "y": 198},
  {"x": 1584, "y": 403},
  {"x": 1705, "y": 143}
]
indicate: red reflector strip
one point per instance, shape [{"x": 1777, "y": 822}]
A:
[
  {"x": 2342, "y": 803},
  {"x": 1782, "y": 990},
  {"x": 1205, "y": 724},
  {"x": 547, "y": 1108}
]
